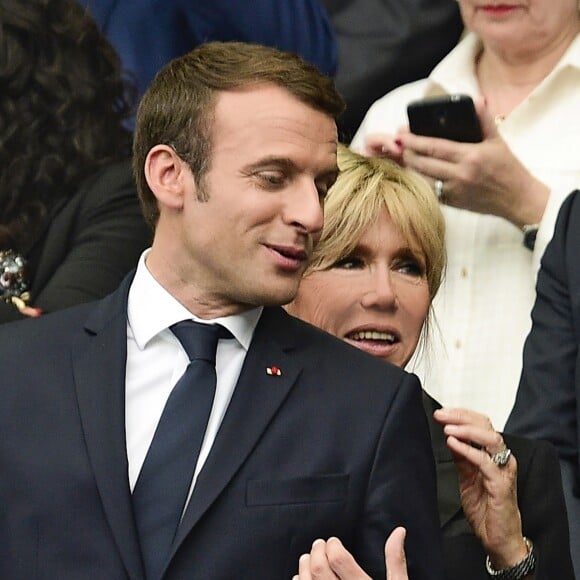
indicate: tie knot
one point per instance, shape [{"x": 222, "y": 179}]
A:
[{"x": 199, "y": 340}]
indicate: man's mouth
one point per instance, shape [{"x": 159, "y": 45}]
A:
[
  {"x": 292, "y": 253},
  {"x": 288, "y": 257}
]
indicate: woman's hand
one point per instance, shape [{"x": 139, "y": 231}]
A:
[
  {"x": 482, "y": 177},
  {"x": 330, "y": 560},
  {"x": 383, "y": 145},
  {"x": 488, "y": 491},
  {"x": 26, "y": 310}
]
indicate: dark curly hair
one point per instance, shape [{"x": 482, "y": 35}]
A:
[{"x": 63, "y": 101}]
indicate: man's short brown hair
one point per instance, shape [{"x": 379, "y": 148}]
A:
[{"x": 177, "y": 109}]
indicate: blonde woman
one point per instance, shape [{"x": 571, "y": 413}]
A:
[{"x": 373, "y": 277}]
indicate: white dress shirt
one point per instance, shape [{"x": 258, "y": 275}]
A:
[
  {"x": 156, "y": 360},
  {"x": 483, "y": 308}
]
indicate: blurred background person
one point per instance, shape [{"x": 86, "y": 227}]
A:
[
  {"x": 382, "y": 44},
  {"x": 548, "y": 399},
  {"x": 373, "y": 276},
  {"x": 369, "y": 46},
  {"x": 70, "y": 222},
  {"x": 501, "y": 196},
  {"x": 149, "y": 33}
]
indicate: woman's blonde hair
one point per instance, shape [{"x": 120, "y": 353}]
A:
[{"x": 365, "y": 187}]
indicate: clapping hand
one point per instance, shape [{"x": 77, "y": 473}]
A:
[{"x": 330, "y": 560}]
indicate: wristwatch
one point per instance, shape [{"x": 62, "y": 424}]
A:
[
  {"x": 517, "y": 572},
  {"x": 530, "y": 233}
]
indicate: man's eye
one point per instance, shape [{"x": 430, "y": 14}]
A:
[
  {"x": 272, "y": 178},
  {"x": 349, "y": 263}
]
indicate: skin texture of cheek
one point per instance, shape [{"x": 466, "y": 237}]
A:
[{"x": 319, "y": 302}]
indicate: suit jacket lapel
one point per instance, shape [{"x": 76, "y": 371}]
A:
[
  {"x": 99, "y": 361},
  {"x": 255, "y": 401},
  {"x": 448, "y": 500}
]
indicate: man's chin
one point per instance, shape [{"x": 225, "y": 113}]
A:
[{"x": 277, "y": 296}]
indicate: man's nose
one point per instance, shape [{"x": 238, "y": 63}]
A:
[{"x": 304, "y": 208}]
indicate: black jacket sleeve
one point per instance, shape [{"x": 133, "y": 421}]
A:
[
  {"x": 90, "y": 243},
  {"x": 546, "y": 402}
]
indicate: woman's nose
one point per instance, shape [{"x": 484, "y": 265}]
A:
[{"x": 380, "y": 292}]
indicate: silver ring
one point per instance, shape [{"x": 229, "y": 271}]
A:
[
  {"x": 438, "y": 188},
  {"x": 502, "y": 457}
]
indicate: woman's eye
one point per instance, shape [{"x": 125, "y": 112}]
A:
[
  {"x": 323, "y": 188},
  {"x": 349, "y": 263},
  {"x": 411, "y": 268},
  {"x": 322, "y": 191}
]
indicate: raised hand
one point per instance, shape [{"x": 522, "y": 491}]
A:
[
  {"x": 488, "y": 489},
  {"x": 330, "y": 560}
]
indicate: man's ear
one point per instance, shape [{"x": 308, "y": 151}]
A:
[{"x": 168, "y": 176}]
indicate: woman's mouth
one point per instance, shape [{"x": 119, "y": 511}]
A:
[
  {"x": 374, "y": 335},
  {"x": 498, "y": 10},
  {"x": 380, "y": 343}
]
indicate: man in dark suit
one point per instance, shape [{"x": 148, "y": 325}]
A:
[
  {"x": 306, "y": 437},
  {"x": 548, "y": 399}
]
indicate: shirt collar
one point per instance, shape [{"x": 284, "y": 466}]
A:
[
  {"x": 456, "y": 72},
  {"x": 151, "y": 309}
]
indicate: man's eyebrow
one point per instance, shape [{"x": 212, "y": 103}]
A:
[
  {"x": 272, "y": 161},
  {"x": 289, "y": 165}
]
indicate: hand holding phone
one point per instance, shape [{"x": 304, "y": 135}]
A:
[{"x": 450, "y": 117}]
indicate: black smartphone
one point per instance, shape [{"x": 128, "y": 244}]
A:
[{"x": 450, "y": 117}]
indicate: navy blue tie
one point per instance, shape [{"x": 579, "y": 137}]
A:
[{"x": 165, "y": 479}]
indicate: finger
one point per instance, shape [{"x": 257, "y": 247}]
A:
[
  {"x": 383, "y": 145},
  {"x": 461, "y": 416},
  {"x": 304, "y": 568},
  {"x": 433, "y": 148},
  {"x": 486, "y": 120},
  {"x": 429, "y": 167},
  {"x": 31, "y": 311},
  {"x": 490, "y": 440},
  {"x": 468, "y": 460},
  {"x": 318, "y": 562},
  {"x": 395, "y": 555},
  {"x": 342, "y": 562},
  {"x": 480, "y": 459}
]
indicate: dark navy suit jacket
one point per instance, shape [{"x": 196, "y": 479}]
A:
[
  {"x": 548, "y": 399},
  {"x": 147, "y": 34},
  {"x": 338, "y": 444}
]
